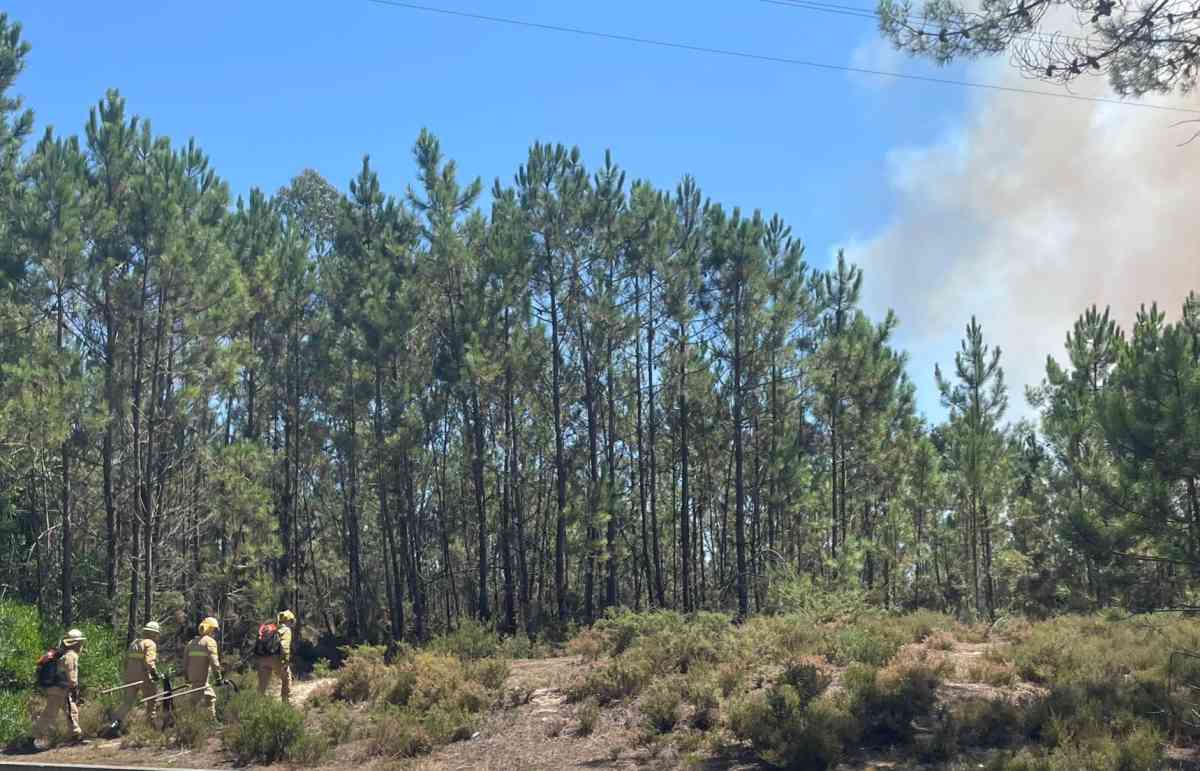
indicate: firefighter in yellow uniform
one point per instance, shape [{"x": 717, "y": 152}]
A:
[
  {"x": 203, "y": 659},
  {"x": 63, "y": 696},
  {"x": 281, "y": 663},
  {"x": 141, "y": 665}
]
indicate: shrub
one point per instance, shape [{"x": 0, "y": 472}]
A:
[
  {"x": 470, "y": 641},
  {"x": 985, "y": 723},
  {"x": 660, "y": 703},
  {"x": 618, "y": 679},
  {"x": 20, "y": 646},
  {"x": 191, "y": 728},
  {"x": 447, "y": 724},
  {"x": 399, "y": 734},
  {"x": 337, "y": 724},
  {"x": 264, "y": 730},
  {"x": 588, "y": 715},
  {"x": 358, "y": 678},
  {"x": 1139, "y": 751},
  {"x": 96, "y": 715},
  {"x": 490, "y": 673},
  {"x": 788, "y": 734},
  {"x": 310, "y": 750},
  {"x": 322, "y": 668},
  {"x": 701, "y": 693},
  {"x": 808, "y": 678},
  {"x": 873, "y": 643},
  {"x": 886, "y": 700},
  {"x": 729, "y": 677},
  {"x": 14, "y": 716},
  {"x": 588, "y": 645}
]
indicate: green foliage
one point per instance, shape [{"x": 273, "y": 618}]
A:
[
  {"x": 20, "y": 644},
  {"x": 309, "y": 750},
  {"x": 193, "y": 725},
  {"x": 887, "y": 700},
  {"x": 337, "y": 723},
  {"x": 399, "y": 734},
  {"x": 661, "y": 701},
  {"x": 471, "y": 641},
  {"x": 872, "y": 642},
  {"x": 619, "y": 678},
  {"x": 788, "y": 733},
  {"x": 14, "y": 716},
  {"x": 588, "y": 715},
  {"x": 264, "y": 731},
  {"x": 358, "y": 678}
]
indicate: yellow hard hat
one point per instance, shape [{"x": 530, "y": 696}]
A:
[
  {"x": 287, "y": 617},
  {"x": 152, "y": 627},
  {"x": 209, "y": 625},
  {"x": 74, "y": 637}
]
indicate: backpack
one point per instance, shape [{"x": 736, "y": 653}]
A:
[
  {"x": 47, "y": 668},
  {"x": 268, "y": 643}
]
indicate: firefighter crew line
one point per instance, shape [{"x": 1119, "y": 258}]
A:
[{"x": 58, "y": 674}]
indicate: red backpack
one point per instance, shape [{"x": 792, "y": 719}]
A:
[
  {"x": 268, "y": 642},
  {"x": 47, "y": 668}
]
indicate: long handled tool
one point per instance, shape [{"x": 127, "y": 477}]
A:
[
  {"x": 168, "y": 695},
  {"x": 121, "y": 687}
]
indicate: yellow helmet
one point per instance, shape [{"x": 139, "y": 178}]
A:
[
  {"x": 287, "y": 617},
  {"x": 74, "y": 637},
  {"x": 209, "y": 625}
]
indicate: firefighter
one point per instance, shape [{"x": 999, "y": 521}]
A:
[
  {"x": 63, "y": 695},
  {"x": 203, "y": 659},
  {"x": 141, "y": 665},
  {"x": 278, "y": 663}
]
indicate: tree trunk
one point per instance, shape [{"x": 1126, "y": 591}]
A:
[
  {"x": 684, "y": 514},
  {"x": 738, "y": 452},
  {"x": 560, "y": 530}
]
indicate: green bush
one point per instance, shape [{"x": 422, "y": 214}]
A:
[
  {"x": 661, "y": 703},
  {"x": 588, "y": 715},
  {"x": 887, "y": 700},
  {"x": 1141, "y": 750},
  {"x": 399, "y": 734},
  {"x": 787, "y": 733},
  {"x": 446, "y": 724},
  {"x": 701, "y": 692},
  {"x": 264, "y": 731},
  {"x": 490, "y": 673},
  {"x": 20, "y": 644},
  {"x": 471, "y": 641},
  {"x": 191, "y": 729},
  {"x": 358, "y": 679},
  {"x": 620, "y": 678},
  {"x": 310, "y": 750},
  {"x": 337, "y": 724},
  {"x": 874, "y": 643},
  {"x": 14, "y": 716}
]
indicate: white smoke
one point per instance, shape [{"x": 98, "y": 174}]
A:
[{"x": 1029, "y": 212}]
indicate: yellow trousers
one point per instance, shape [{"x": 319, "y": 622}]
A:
[
  {"x": 58, "y": 700},
  {"x": 145, "y": 690},
  {"x": 274, "y": 665}
]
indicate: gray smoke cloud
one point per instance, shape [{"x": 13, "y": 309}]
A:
[{"x": 1030, "y": 211}]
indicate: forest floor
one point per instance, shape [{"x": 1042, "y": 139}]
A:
[{"x": 541, "y": 730}]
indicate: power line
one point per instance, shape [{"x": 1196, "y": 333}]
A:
[
  {"x": 862, "y": 12},
  {"x": 775, "y": 59}
]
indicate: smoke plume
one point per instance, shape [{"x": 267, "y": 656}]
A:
[{"x": 1030, "y": 211}]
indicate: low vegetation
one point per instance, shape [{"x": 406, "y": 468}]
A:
[
  {"x": 800, "y": 690},
  {"x": 807, "y": 690}
]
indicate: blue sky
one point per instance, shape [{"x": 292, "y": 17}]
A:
[{"x": 268, "y": 88}]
